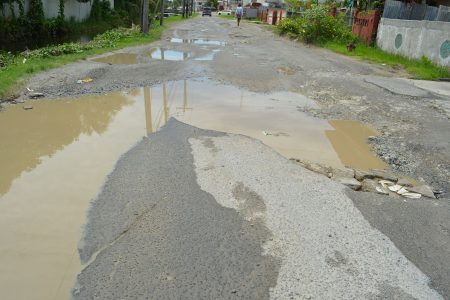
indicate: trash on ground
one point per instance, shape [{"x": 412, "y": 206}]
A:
[
  {"x": 374, "y": 181},
  {"x": 27, "y": 107},
  {"x": 36, "y": 95},
  {"x": 381, "y": 191},
  {"x": 85, "y": 80},
  {"x": 30, "y": 90},
  {"x": 395, "y": 188},
  {"x": 412, "y": 195}
]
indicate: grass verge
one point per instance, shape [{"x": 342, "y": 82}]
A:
[
  {"x": 418, "y": 68},
  {"x": 13, "y": 76}
]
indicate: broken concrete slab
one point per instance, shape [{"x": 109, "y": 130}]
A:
[
  {"x": 343, "y": 172},
  {"x": 350, "y": 182},
  {"x": 318, "y": 168},
  {"x": 369, "y": 185},
  {"x": 397, "y": 86},
  {"x": 405, "y": 182},
  {"x": 424, "y": 190},
  {"x": 371, "y": 174}
]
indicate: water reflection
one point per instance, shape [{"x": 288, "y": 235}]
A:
[
  {"x": 118, "y": 59},
  {"x": 168, "y": 54},
  {"x": 271, "y": 118},
  {"x": 28, "y": 135},
  {"x": 208, "y": 57},
  {"x": 198, "y": 41}
]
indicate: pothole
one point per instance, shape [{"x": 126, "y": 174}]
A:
[
  {"x": 198, "y": 41},
  {"x": 118, "y": 59},
  {"x": 286, "y": 71},
  {"x": 169, "y": 54},
  {"x": 83, "y": 138}
]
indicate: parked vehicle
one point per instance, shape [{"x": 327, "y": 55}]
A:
[
  {"x": 225, "y": 13},
  {"x": 206, "y": 11}
]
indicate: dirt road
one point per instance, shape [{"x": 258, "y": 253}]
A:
[{"x": 208, "y": 213}]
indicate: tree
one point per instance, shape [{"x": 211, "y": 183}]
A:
[
  {"x": 212, "y": 3},
  {"x": 144, "y": 16}
]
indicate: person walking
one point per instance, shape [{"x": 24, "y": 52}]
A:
[{"x": 239, "y": 13}]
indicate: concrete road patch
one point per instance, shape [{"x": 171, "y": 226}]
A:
[
  {"x": 328, "y": 249},
  {"x": 397, "y": 86},
  {"x": 152, "y": 233}
]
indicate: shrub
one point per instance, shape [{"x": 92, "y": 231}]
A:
[
  {"x": 289, "y": 26},
  {"x": 6, "y": 59},
  {"x": 107, "y": 39},
  {"x": 317, "y": 26}
]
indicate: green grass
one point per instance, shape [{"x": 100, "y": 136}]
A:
[
  {"x": 418, "y": 68},
  {"x": 13, "y": 77}
]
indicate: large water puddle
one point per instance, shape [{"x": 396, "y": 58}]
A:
[
  {"x": 209, "y": 56},
  {"x": 118, "y": 59},
  {"x": 169, "y": 54},
  {"x": 55, "y": 157},
  {"x": 198, "y": 41}
]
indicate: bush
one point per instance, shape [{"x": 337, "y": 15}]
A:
[
  {"x": 6, "y": 59},
  {"x": 107, "y": 39},
  {"x": 290, "y": 26},
  {"x": 317, "y": 26}
]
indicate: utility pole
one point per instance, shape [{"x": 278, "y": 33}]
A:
[
  {"x": 161, "y": 13},
  {"x": 182, "y": 9},
  {"x": 144, "y": 17}
]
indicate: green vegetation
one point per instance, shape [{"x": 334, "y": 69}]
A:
[
  {"x": 418, "y": 68},
  {"x": 212, "y": 3},
  {"x": 16, "y": 68},
  {"x": 32, "y": 30},
  {"x": 318, "y": 27}
]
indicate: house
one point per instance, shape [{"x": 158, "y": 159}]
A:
[
  {"x": 272, "y": 12},
  {"x": 416, "y": 30}
]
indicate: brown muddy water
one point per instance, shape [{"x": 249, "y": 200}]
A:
[
  {"x": 118, "y": 59},
  {"x": 55, "y": 157}
]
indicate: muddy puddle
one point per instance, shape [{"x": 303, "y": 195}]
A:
[
  {"x": 56, "y": 156},
  {"x": 286, "y": 71},
  {"x": 198, "y": 42},
  {"x": 54, "y": 159},
  {"x": 169, "y": 54},
  {"x": 118, "y": 59}
]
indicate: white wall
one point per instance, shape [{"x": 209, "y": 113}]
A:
[
  {"x": 72, "y": 8},
  {"x": 416, "y": 39}
]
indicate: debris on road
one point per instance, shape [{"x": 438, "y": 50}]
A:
[
  {"x": 27, "y": 107},
  {"x": 36, "y": 95},
  {"x": 350, "y": 182},
  {"x": 372, "y": 181},
  {"x": 424, "y": 190},
  {"x": 85, "y": 80}
]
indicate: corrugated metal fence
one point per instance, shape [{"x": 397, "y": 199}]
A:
[{"x": 413, "y": 11}]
